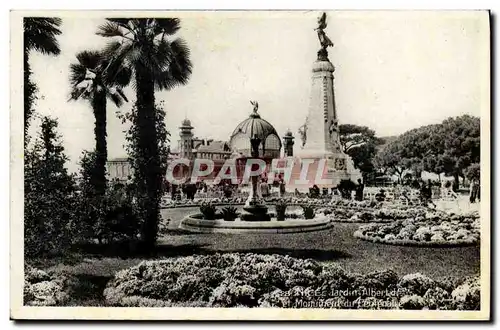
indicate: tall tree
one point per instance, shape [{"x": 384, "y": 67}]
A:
[
  {"x": 158, "y": 61},
  {"x": 360, "y": 143},
  {"x": 39, "y": 35},
  {"x": 388, "y": 160},
  {"x": 50, "y": 194},
  {"x": 450, "y": 147},
  {"x": 461, "y": 144},
  {"x": 86, "y": 78}
]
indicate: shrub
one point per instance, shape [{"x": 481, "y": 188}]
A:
[
  {"x": 346, "y": 187},
  {"x": 208, "y": 210},
  {"x": 467, "y": 296},
  {"x": 50, "y": 196},
  {"x": 254, "y": 280},
  {"x": 416, "y": 283},
  {"x": 229, "y": 213},
  {"x": 44, "y": 289},
  {"x": 412, "y": 302},
  {"x": 308, "y": 211},
  {"x": 280, "y": 207},
  {"x": 437, "y": 298}
]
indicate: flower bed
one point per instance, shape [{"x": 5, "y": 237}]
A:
[
  {"x": 337, "y": 210},
  {"x": 450, "y": 230},
  {"x": 385, "y": 214},
  {"x": 291, "y": 201},
  {"x": 253, "y": 280},
  {"x": 46, "y": 289}
]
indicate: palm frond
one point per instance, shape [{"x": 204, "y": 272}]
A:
[
  {"x": 168, "y": 26},
  {"x": 156, "y": 57},
  {"x": 115, "y": 67},
  {"x": 110, "y": 29},
  {"x": 115, "y": 98},
  {"x": 122, "y": 77},
  {"x": 90, "y": 59},
  {"x": 120, "y": 92},
  {"x": 123, "y": 22},
  {"x": 80, "y": 92},
  {"x": 40, "y": 34},
  {"x": 110, "y": 49},
  {"x": 179, "y": 69},
  {"x": 76, "y": 73}
]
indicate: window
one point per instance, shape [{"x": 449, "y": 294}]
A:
[{"x": 273, "y": 142}]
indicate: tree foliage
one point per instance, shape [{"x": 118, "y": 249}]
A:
[
  {"x": 50, "y": 195},
  {"x": 158, "y": 61},
  {"x": 39, "y": 34},
  {"x": 137, "y": 186},
  {"x": 86, "y": 78},
  {"x": 360, "y": 143},
  {"x": 450, "y": 148},
  {"x": 106, "y": 217},
  {"x": 473, "y": 172}
]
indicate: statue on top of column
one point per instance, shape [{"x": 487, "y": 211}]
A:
[{"x": 323, "y": 38}]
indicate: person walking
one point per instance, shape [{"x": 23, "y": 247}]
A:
[
  {"x": 282, "y": 187},
  {"x": 359, "y": 190},
  {"x": 426, "y": 194},
  {"x": 264, "y": 188},
  {"x": 474, "y": 190}
]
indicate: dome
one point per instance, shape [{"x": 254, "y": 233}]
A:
[
  {"x": 186, "y": 122},
  {"x": 255, "y": 125},
  {"x": 289, "y": 133}
]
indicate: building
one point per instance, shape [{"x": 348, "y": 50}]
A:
[
  {"x": 119, "y": 169},
  {"x": 238, "y": 148},
  {"x": 191, "y": 147}
]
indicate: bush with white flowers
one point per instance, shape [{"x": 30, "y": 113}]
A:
[
  {"x": 430, "y": 230},
  {"x": 46, "y": 289},
  {"x": 254, "y": 280}
]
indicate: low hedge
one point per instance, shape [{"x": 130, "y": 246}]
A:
[{"x": 253, "y": 280}]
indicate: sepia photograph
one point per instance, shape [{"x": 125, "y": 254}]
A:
[{"x": 250, "y": 165}]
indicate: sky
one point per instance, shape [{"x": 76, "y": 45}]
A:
[{"x": 394, "y": 71}]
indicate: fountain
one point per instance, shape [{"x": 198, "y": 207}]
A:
[
  {"x": 255, "y": 208},
  {"x": 321, "y": 142},
  {"x": 254, "y": 218}
]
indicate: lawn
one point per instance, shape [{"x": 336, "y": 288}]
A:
[{"x": 335, "y": 245}]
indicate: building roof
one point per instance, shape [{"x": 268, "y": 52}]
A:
[
  {"x": 214, "y": 146},
  {"x": 186, "y": 123},
  {"x": 118, "y": 159},
  {"x": 254, "y": 125}
]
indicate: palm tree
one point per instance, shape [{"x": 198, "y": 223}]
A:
[
  {"x": 39, "y": 35},
  {"x": 158, "y": 62},
  {"x": 87, "y": 83}
]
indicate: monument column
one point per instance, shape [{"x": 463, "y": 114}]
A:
[{"x": 320, "y": 134}]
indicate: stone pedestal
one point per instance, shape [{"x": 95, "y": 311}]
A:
[{"x": 255, "y": 208}]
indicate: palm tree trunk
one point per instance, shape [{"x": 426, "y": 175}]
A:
[
  {"x": 29, "y": 93},
  {"x": 149, "y": 165},
  {"x": 99, "y": 177}
]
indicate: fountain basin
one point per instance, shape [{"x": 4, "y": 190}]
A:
[{"x": 196, "y": 223}]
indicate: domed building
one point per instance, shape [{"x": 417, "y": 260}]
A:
[
  {"x": 255, "y": 126},
  {"x": 191, "y": 147}
]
